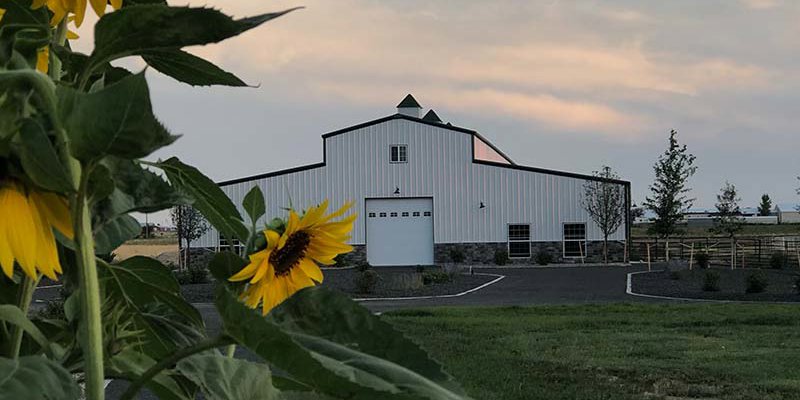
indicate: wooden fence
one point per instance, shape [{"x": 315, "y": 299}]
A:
[{"x": 743, "y": 252}]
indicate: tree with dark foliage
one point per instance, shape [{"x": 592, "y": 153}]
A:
[
  {"x": 669, "y": 193},
  {"x": 605, "y": 203},
  {"x": 190, "y": 225},
  {"x": 765, "y": 208},
  {"x": 728, "y": 220}
]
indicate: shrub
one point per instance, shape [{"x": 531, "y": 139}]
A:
[
  {"x": 675, "y": 275},
  {"x": 420, "y": 269},
  {"x": 366, "y": 280},
  {"x": 543, "y": 258},
  {"x": 702, "y": 259},
  {"x": 797, "y": 284},
  {"x": 779, "y": 260},
  {"x": 501, "y": 257},
  {"x": 756, "y": 282},
  {"x": 53, "y": 309},
  {"x": 434, "y": 277},
  {"x": 192, "y": 276},
  {"x": 341, "y": 261},
  {"x": 456, "y": 255},
  {"x": 363, "y": 266},
  {"x": 408, "y": 282},
  {"x": 711, "y": 281}
]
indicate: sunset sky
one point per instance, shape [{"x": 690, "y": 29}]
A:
[{"x": 556, "y": 84}]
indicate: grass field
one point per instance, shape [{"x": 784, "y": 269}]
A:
[
  {"x": 615, "y": 351},
  {"x": 640, "y": 230}
]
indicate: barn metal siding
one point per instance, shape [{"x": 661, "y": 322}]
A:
[{"x": 440, "y": 165}]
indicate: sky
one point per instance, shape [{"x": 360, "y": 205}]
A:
[{"x": 567, "y": 85}]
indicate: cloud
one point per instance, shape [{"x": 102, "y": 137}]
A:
[{"x": 761, "y": 4}]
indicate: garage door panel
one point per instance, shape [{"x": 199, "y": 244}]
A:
[{"x": 399, "y": 231}]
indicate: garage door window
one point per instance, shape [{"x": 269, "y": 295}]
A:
[
  {"x": 398, "y": 153},
  {"x": 575, "y": 240},
  {"x": 519, "y": 240}
]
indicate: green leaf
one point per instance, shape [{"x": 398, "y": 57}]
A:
[
  {"x": 208, "y": 198},
  {"x": 40, "y": 160},
  {"x": 132, "y": 364},
  {"x": 22, "y": 31},
  {"x": 148, "y": 191},
  {"x": 223, "y": 378},
  {"x": 13, "y": 314},
  {"x": 331, "y": 315},
  {"x": 324, "y": 366},
  {"x": 137, "y": 29},
  {"x": 254, "y": 205},
  {"x": 117, "y": 120},
  {"x": 150, "y": 292},
  {"x": 113, "y": 233},
  {"x": 35, "y": 378},
  {"x": 224, "y": 264},
  {"x": 190, "y": 69}
]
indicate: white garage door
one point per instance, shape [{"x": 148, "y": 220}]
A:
[{"x": 399, "y": 232}]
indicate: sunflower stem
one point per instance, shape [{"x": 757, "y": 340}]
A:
[
  {"x": 231, "y": 350},
  {"x": 173, "y": 359},
  {"x": 24, "y": 298},
  {"x": 92, "y": 341}
]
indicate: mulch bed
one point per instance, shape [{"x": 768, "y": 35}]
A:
[
  {"x": 732, "y": 284},
  {"x": 392, "y": 282}
]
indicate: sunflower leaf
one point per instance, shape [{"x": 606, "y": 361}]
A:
[
  {"x": 131, "y": 364},
  {"x": 208, "y": 198},
  {"x": 189, "y": 68},
  {"x": 40, "y": 160},
  {"x": 35, "y": 377},
  {"x": 322, "y": 365},
  {"x": 220, "y": 377},
  {"x": 138, "y": 29},
  {"x": 112, "y": 233},
  {"x": 254, "y": 205},
  {"x": 12, "y": 314},
  {"x": 117, "y": 120}
]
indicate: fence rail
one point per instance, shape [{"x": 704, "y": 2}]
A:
[{"x": 742, "y": 252}]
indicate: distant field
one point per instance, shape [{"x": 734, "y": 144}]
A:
[
  {"x": 154, "y": 241},
  {"x": 640, "y": 230},
  {"x": 620, "y": 352}
]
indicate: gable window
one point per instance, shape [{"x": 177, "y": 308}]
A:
[
  {"x": 575, "y": 240},
  {"x": 398, "y": 153},
  {"x": 519, "y": 240}
]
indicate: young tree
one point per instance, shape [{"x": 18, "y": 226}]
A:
[
  {"x": 190, "y": 225},
  {"x": 728, "y": 220},
  {"x": 766, "y": 205},
  {"x": 669, "y": 197},
  {"x": 605, "y": 203}
]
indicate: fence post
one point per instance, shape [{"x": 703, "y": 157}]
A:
[
  {"x": 691, "y": 257},
  {"x": 648, "y": 257}
]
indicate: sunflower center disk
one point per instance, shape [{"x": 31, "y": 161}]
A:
[{"x": 288, "y": 256}]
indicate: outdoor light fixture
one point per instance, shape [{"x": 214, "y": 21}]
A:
[
  {"x": 482, "y": 205},
  {"x": 396, "y": 190}
]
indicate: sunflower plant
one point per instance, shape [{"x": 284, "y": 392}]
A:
[{"x": 75, "y": 130}]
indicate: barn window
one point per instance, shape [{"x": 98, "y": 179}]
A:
[
  {"x": 372, "y": 215},
  {"x": 404, "y": 214},
  {"x": 398, "y": 153},
  {"x": 382, "y": 215},
  {"x": 394, "y": 214},
  {"x": 427, "y": 213},
  {"x": 519, "y": 240},
  {"x": 415, "y": 214},
  {"x": 575, "y": 240}
]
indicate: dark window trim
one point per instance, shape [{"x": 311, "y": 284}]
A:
[
  {"x": 509, "y": 240},
  {"x": 582, "y": 242}
]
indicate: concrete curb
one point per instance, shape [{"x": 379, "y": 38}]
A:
[{"x": 441, "y": 296}]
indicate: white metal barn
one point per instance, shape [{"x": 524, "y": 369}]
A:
[{"x": 424, "y": 189}]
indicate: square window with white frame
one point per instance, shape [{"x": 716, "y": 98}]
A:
[
  {"x": 519, "y": 240},
  {"x": 574, "y": 240},
  {"x": 398, "y": 153}
]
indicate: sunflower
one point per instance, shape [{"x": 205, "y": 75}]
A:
[
  {"x": 290, "y": 261},
  {"x": 61, "y": 8},
  {"x": 27, "y": 219}
]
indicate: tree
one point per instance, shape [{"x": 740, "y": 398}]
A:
[
  {"x": 729, "y": 219},
  {"x": 605, "y": 202},
  {"x": 190, "y": 225},
  {"x": 766, "y": 205},
  {"x": 669, "y": 199}
]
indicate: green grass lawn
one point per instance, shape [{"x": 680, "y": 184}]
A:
[{"x": 615, "y": 351}]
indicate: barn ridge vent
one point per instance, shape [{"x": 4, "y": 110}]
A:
[
  {"x": 409, "y": 106},
  {"x": 431, "y": 116}
]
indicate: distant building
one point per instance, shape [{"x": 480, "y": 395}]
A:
[{"x": 787, "y": 213}]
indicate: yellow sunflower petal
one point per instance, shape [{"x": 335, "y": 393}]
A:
[
  {"x": 72, "y": 35},
  {"x": 313, "y": 215},
  {"x": 6, "y": 255},
  {"x": 46, "y": 255},
  {"x": 272, "y": 239},
  {"x": 43, "y": 59},
  {"x": 264, "y": 269},
  {"x": 38, "y": 3},
  {"x": 99, "y": 6},
  {"x": 292, "y": 224},
  {"x": 246, "y": 272},
  {"x": 55, "y": 210},
  {"x": 21, "y": 231},
  {"x": 338, "y": 212},
  {"x": 116, "y": 4},
  {"x": 78, "y": 7},
  {"x": 311, "y": 270}
]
